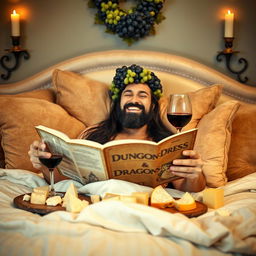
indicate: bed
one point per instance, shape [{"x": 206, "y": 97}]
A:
[{"x": 72, "y": 95}]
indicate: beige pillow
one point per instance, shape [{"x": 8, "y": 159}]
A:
[
  {"x": 213, "y": 142},
  {"x": 19, "y": 115},
  {"x": 242, "y": 153},
  {"x": 202, "y": 100},
  {"x": 44, "y": 94},
  {"x": 82, "y": 97}
]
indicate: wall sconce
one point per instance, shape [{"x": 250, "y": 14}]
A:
[
  {"x": 228, "y": 51},
  {"x": 16, "y": 50}
]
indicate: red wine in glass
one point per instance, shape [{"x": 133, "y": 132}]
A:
[
  {"x": 179, "y": 110},
  {"x": 51, "y": 162},
  {"x": 179, "y": 120}
]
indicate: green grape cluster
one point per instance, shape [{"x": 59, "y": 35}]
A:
[
  {"x": 114, "y": 91},
  {"x": 158, "y": 93},
  {"x": 108, "y": 6},
  {"x": 113, "y": 17},
  {"x": 129, "y": 79},
  {"x": 145, "y": 76}
]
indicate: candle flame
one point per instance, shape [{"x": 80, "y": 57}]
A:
[
  {"x": 229, "y": 12},
  {"x": 14, "y": 12}
]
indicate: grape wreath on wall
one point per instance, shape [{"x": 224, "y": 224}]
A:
[{"x": 131, "y": 25}]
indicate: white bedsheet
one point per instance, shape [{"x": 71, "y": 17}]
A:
[{"x": 113, "y": 228}]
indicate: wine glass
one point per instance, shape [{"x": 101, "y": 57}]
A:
[
  {"x": 54, "y": 148},
  {"x": 179, "y": 111}
]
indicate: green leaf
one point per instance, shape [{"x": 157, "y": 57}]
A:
[{"x": 160, "y": 17}]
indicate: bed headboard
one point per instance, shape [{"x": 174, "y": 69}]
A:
[{"x": 176, "y": 73}]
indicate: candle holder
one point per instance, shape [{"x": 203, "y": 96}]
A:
[
  {"x": 228, "y": 53},
  {"x": 17, "y": 52}
]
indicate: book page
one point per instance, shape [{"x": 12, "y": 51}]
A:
[
  {"x": 82, "y": 160},
  {"x": 147, "y": 163},
  {"x": 90, "y": 163}
]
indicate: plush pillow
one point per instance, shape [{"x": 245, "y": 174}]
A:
[
  {"x": 82, "y": 97},
  {"x": 202, "y": 100},
  {"x": 19, "y": 115},
  {"x": 242, "y": 156},
  {"x": 213, "y": 142},
  {"x": 44, "y": 94}
]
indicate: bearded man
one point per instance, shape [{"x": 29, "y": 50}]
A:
[{"x": 134, "y": 114}]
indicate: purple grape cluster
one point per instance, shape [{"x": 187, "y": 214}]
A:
[
  {"x": 134, "y": 74},
  {"x": 133, "y": 24}
]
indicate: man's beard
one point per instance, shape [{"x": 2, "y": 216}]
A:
[{"x": 133, "y": 120}]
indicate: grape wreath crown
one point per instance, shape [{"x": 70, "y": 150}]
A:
[
  {"x": 130, "y": 25},
  {"x": 134, "y": 74}
]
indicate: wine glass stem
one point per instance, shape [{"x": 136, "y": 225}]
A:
[{"x": 52, "y": 182}]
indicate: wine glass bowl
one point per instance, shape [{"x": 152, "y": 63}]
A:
[
  {"x": 52, "y": 161},
  {"x": 179, "y": 110}
]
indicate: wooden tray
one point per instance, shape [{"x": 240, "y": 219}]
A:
[
  {"x": 40, "y": 208},
  {"x": 45, "y": 209},
  {"x": 200, "y": 209}
]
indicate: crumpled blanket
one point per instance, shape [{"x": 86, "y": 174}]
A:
[{"x": 234, "y": 233}]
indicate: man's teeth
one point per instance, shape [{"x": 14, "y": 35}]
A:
[{"x": 133, "y": 108}]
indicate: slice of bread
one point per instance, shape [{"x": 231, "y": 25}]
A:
[
  {"x": 186, "y": 203},
  {"x": 160, "y": 198}
]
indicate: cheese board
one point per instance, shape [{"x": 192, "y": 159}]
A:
[
  {"x": 200, "y": 209},
  {"x": 41, "y": 209}
]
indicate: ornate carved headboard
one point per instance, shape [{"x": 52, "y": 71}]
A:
[{"x": 178, "y": 73}]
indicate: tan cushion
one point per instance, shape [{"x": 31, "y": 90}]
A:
[
  {"x": 82, "y": 97},
  {"x": 213, "y": 142},
  {"x": 202, "y": 100},
  {"x": 19, "y": 115},
  {"x": 242, "y": 153},
  {"x": 44, "y": 94}
]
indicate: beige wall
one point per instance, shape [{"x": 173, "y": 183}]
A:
[{"x": 54, "y": 30}]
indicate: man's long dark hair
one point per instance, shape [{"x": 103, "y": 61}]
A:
[{"x": 108, "y": 129}]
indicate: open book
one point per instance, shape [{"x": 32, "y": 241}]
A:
[{"x": 139, "y": 161}]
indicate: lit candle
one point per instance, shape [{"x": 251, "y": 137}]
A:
[
  {"x": 15, "y": 18},
  {"x": 229, "y": 21}
]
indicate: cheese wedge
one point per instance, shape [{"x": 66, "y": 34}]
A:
[
  {"x": 41, "y": 189},
  {"x": 128, "y": 199},
  {"x": 26, "y": 197},
  {"x": 38, "y": 198},
  {"x": 72, "y": 190},
  {"x": 186, "y": 203},
  {"x": 74, "y": 204},
  {"x": 213, "y": 197},
  {"x": 111, "y": 196},
  {"x": 142, "y": 197},
  {"x": 54, "y": 200},
  {"x": 161, "y": 198},
  {"x": 95, "y": 198}
]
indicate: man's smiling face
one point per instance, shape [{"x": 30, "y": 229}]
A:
[
  {"x": 137, "y": 94},
  {"x": 135, "y": 105}
]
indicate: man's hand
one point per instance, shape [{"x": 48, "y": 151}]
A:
[
  {"x": 190, "y": 168},
  {"x": 34, "y": 154}
]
